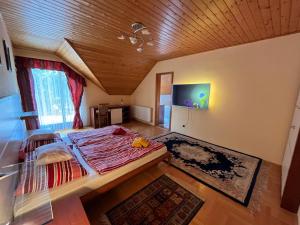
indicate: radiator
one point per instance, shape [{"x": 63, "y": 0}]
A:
[{"x": 141, "y": 113}]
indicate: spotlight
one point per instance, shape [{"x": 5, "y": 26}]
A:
[
  {"x": 121, "y": 37},
  {"x": 133, "y": 40},
  {"x": 150, "y": 43},
  {"x": 146, "y": 32}
]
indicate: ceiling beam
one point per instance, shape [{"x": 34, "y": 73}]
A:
[{"x": 70, "y": 55}]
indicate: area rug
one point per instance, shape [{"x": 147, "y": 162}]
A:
[
  {"x": 161, "y": 202},
  {"x": 225, "y": 170}
]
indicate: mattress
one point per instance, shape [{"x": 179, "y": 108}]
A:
[{"x": 82, "y": 185}]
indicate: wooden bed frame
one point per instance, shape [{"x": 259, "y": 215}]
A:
[{"x": 123, "y": 178}]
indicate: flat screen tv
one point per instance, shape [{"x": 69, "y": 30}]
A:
[{"x": 191, "y": 95}]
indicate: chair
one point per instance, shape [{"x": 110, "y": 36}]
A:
[{"x": 103, "y": 115}]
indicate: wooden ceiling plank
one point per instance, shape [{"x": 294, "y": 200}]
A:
[
  {"x": 149, "y": 22},
  {"x": 255, "y": 10},
  {"x": 231, "y": 30},
  {"x": 178, "y": 27},
  {"x": 102, "y": 73},
  {"x": 213, "y": 16},
  {"x": 97, "y": 53},
  {"x": 232, "y": 5},
  {"x": 295, "y": 16},
  {"x": 168, "y": 20},
  {"x": 202, "y": 29},
  {"x": 265, "y": 9},
  {"x": 275, "y": 14},
  {"x": 232, "y": 20},
  {"x": 183, "y": 9},
  {"x": 243, "y": 6},
  {"x": 74, "y": 31},
  {"x": 41, "y": 25},
  {"x": 298, "y": 30},
  {"x": 285, "y": 15},
  {"x": 127, "y": 25}
]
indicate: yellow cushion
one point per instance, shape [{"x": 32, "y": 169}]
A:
[
  {"x": 145, "y": 143},
  {"x": 140, "y": 142}
]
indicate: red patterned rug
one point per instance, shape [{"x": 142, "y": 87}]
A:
[{"x": 161, "y": 202}]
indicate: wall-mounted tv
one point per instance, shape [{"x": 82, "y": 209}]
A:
[{"x": 191, "y": 95}]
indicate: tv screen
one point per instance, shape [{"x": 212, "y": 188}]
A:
[{"x": 191, "y": 95}]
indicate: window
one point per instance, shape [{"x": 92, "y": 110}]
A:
[{"x": 54, "y": 104}]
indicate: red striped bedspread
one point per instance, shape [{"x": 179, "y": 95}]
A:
[
  {"x": 96, "y": 135},
  {"x": 104, "y": 151},
  {"x": 41, "y": 178}
]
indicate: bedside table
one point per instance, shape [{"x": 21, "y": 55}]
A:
[{"x": 69, "y": 211}]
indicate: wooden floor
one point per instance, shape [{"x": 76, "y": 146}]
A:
[{"x": 217, "y": 209}]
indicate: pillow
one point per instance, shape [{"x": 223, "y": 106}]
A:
[
  {"x": 29, "y": 146},
  {"x": 41, "y": 178},
  {"x": 119, "y": 131},
  {"x": 42, "y": 134},
  {"x": 52, "y": 153}
]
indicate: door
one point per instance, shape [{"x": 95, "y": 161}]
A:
[{"x": 164, "y": 84}]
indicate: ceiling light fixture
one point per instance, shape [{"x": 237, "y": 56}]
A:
[{"x": 140, "y": 34}]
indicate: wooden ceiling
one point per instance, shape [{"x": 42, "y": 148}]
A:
[{"x": 179, "y": 27}]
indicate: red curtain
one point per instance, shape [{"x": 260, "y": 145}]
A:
[
  {"x": 75, "y": 83},
  {"x": 26, "y": 86}
]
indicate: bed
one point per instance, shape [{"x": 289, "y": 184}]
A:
[{"x": 93, "y": 183}]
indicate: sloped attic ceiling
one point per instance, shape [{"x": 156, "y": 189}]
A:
[{"x": 179, "y": 27}]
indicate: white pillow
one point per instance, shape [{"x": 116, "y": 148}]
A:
[
  {"x": 42, "y": 134},
  {"x": 52, "y": 153}
]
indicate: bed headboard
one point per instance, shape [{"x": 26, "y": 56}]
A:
[
  {"x": 12, "y": 129},
  {"x": 12, "y": 132}
]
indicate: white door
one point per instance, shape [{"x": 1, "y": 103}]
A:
[{"x": 291, "y": 143}]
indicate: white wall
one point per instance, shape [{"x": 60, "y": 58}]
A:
[
  {"x": 253, "y": 91},
  {"x": 8, "y": 80},
  {"x": 93, "y": 95}
]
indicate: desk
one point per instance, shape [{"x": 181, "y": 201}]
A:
[
  {"x": 69, "y": 211},
  {"x": 96, "y": 118}
]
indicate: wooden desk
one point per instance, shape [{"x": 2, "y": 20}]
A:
[
  {"x": 95, "y": 117},
  {"x": 69, "y": 211}
]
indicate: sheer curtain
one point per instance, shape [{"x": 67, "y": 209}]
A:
[{"x": 53, "y": 99}]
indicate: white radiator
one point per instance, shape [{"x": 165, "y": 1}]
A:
[{"x": 141, "y": 113}]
